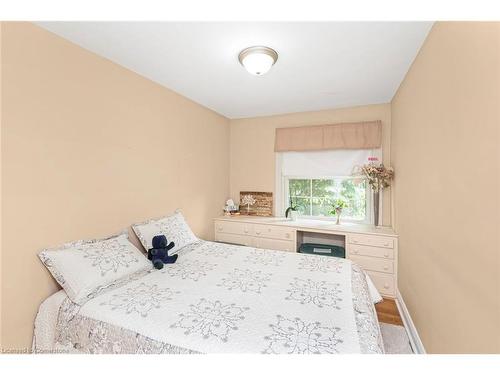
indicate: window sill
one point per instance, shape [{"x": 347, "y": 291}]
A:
[{"x": 331, "y": 220}]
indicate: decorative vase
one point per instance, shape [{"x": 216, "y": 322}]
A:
[
  {"x": 338, "y": 216},
  {"x": 376, "y": 203},
  {"x": 294, "y": 215}
]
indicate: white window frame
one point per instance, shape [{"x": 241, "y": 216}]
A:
[
  {"x": 369, "y": 200},
  {"x": 281, "y": 197}
]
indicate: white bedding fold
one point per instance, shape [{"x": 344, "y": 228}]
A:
[{"x": 44, "y": 335}]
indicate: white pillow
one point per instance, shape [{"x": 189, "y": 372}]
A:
[
  {"x": 174, "y": 227},
  {"x": 86, "y": 267}
]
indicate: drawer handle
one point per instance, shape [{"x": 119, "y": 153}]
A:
[
  {"x": 386, "y": 255},
  {"x": 268, "y": 229},
  {"x": 386, "y": 244},
  {"x": 356, "y": 251},
  {"x": 219, "y": 228},
  {"x": 287, "y": 235},
  {"x": 386, "y": 286},
  {"x": 245, "y": 230},
  {"x": 386, "y": 268},
  {"x": 257, "y": 231},
  {"x": 354, "y": 241}
]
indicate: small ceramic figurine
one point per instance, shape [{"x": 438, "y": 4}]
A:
[{"x": 230, "y": 207}]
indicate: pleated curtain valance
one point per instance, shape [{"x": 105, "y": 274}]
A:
[{"x": 354, "y": 135}]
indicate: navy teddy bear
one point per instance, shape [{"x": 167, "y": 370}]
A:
[{"x": 159, "y": 253}]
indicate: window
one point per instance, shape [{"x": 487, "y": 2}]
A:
[
  {"x": 314, "y": 196},
  {"x": 314, "y": 179}
]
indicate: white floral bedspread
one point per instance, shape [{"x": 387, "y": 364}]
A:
[{"x": 221, "y": 298}]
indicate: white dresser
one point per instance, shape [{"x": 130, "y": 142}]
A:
[{"x": 374, "y": 249}]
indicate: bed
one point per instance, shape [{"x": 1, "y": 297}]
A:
[{"x": 221, "y": 298}]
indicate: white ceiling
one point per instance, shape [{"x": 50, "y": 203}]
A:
[{"x": 321, "y": 65}]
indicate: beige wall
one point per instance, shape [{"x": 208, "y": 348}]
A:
[
  {"x": 445, "y": 149},
  {"x": 252, "y": 145},
  {"x": 88, "y": 148}
]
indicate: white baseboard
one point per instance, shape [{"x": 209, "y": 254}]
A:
[{"x": 411, "y": 330}]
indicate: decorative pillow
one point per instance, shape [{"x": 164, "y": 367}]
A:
[
  {"x": 86, "y": 267},
  {"x": 174, "y": 227}
]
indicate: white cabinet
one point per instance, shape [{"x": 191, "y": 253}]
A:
[
  {"x": 268, "y": 243},
  {"x": 385, "y": 283},
  {"x": 234, "y": 239},
  {"x": 233, "y": 227},
  {"x": 378, "y": 252},
  {"x": 373, "y": 264},
  {"x": 374, "y": 249},
  {"x": 377, "y": 255},
  {"x": 371, "y": 240},
  {"x": 273, "y": 231},
  {"x": 257, "y": 235}
]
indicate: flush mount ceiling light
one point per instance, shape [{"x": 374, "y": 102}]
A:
[{"x": 258, "y": 60}]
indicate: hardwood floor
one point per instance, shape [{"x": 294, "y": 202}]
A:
[{"x": 387, "y": 312}]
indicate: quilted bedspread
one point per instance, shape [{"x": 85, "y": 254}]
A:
[{"x": 221, "y": 298}]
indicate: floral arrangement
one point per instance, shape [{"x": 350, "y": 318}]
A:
[
  {"x": 378, "y": 176},
  {"x": 337, "y": 206}
]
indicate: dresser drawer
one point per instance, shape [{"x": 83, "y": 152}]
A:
[
  {"x": 233, "y": 239},
  {"x": 384, "y": 283},
  {"x": 378, "y": 241},
  {"x": 374, "y": 264},
  {"x": 233, "y": 227},
  {"x": 271, "y": 231},
  {"x": 379, "y": 252},
  {"x": 268, "y": 243}
]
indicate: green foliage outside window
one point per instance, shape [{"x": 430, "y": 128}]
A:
[{"x": 314, "y": 197}]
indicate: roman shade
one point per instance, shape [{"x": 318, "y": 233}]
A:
[
  {"x": 325, "y": 163},
  {"x": 355, "y": 135}
]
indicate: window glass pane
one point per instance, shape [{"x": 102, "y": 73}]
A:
[
  {"x": 299, "y": 188},
  {"x": 322, "y": 188},
  {"x": 321, "y": 206},
  {"x": 300, "y": 195},
  {"x": 316, "y": 196},
  {"x": 354, "y": 193},
  {"x": 323, "y": 192},
  {"x": 303, "y": 205}
]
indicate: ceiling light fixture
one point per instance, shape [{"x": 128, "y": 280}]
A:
[{"x": 258, "y": 60}]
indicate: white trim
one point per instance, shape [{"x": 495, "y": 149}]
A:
[
  {"x": 411, "y": 330},
  {"x": 369, "y": 199},
  {"x": 279, "y": 210},
  {"x": 281, "y": 193}
]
